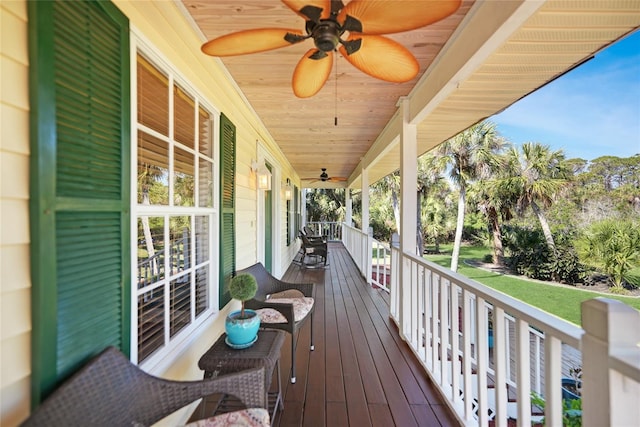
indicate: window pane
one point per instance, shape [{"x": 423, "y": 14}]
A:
[
  {"x": 183, "y": 178},
  {"x": 153, "y": 170},
  {"x": 205, "y": 125},
  {"x": 202, "y": 289},
  {"x": 205, "y": 184},
  {"x": 202, "y": 239},
  {"x": 153, "y": 97},
  {"x": 180, "y": 303},
  {"x": 179, "y": 250},
  {"x": 150, "y": 250},
  {"x": 184, "y": 125},
  {"x": 150, "y": 322}
]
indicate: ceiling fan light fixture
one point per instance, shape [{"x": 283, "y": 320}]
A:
[{"x": 324, "y": 176}]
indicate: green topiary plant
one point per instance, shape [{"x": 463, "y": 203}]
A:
[{"x": 243, "y": 287}]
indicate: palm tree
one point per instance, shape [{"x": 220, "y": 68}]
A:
[
  {"x": 432, "y": 189},
  {"x": 535, "y": 174},
  {"x": 496, "y": 204},
  {"x": 468, "y": 156},
  {"x": 438, "y": 224},
  {"x": 390, "y": 184}
]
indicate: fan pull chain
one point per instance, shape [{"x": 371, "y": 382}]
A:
[{"x": 335, "y": 118}]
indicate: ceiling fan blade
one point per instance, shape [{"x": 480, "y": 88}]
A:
[
  {"x": 382, "y": 58},
  {"x": 310, "y": 10},
  {"x": 336, "y": 179},
  {"x": 252, "y": 41},
  {"x": 311, "y": 73},
  {"x": 386, "y": 17}
]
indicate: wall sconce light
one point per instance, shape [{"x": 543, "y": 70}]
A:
[
  {"x": 288, "y": 190},
  {"x": 263, "y": 176}
]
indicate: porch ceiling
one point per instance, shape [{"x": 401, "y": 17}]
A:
[{"x": 473, "y": 64}]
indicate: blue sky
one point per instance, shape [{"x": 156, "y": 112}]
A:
[{"x": 592, "y": 111}]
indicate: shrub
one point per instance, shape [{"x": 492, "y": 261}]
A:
[
  {"x": 243, "y": 287},
  {"x": 613, "y": 247},
  {"x": 530, "y": 255}
]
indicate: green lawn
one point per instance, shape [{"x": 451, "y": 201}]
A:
[{"x": 561, "y": 301}]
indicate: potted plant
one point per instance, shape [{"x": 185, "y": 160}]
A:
[
  {"x": 242, "y": 325},
  {"x": 572, "y": 385}
]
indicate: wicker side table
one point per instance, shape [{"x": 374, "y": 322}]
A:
[{"x": 222, "y": 359}]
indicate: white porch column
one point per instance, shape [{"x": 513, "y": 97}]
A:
[
  {"x": 610, "y": 398},
  {"x": 408, "y": 208},
  {"x": 365, "y": 248},
  {"x": 349, "y": 206},
  {"x": 365, "y": 199},
  {"x": 303, "y": 207}
]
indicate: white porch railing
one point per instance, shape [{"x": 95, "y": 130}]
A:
[
  {"x": 372, "y": 257},
  {"x": 444, "y": 317},
  {"x": 331, "y": 230}
]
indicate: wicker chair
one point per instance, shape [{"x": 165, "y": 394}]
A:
[
  {"x": 313, "y": 237},
  {"x": 314, "y": 247},
  {"x": 266, "y": 302},
  {"x": 111, "y": 391}
]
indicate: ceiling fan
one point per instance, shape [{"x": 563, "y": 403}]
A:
[
  {"x": 326, "y": 21},
  {"x": 324, "y": 177}
]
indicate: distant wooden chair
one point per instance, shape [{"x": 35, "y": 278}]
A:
[
  {"x": 282, "y": 305},
  {"x": 313, "y": 251}
]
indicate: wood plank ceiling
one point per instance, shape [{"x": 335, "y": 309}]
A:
[{"x": 477, "y": 61}]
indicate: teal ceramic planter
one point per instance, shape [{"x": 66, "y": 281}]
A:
[{"x": 242, "y": 332}]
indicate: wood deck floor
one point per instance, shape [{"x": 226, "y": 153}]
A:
[{"x": 361, "y": 373}]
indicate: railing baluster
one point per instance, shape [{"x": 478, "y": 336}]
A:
[
  {"x": 499, "y": 354},
  {"x": 455, "y": 342},
  {"x": 444, "y": 331},
  {"x": 433, "y": 321},
  {"x": 552, "y": 382},
  {"x": 427, "y": 321},
  {"x": 424, "y": 336},
  {"x": 483, "y": 361},
  {"x": 538, "y": 365},
  {"x": 467, "y": 368},
  {"x": 414, "y": 310},
  {"x": 523, "y": 379}
]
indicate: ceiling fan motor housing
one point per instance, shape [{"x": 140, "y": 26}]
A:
[{"x": 326, "y": 35}]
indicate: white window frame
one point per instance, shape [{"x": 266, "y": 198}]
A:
[{"x": 160, "y": 359}]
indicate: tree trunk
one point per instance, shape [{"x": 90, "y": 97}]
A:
[
  {"x": 498, "y": 250},
  {"x": 459, "y": 225},
  {"x": 545, "y": 225}
]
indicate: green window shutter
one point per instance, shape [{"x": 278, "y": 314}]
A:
[
  {"x": 227, "y": 206},
  {"x": 80, "y": 175}
]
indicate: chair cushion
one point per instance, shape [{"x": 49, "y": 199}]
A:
[
  {"x": 252, "y": 417},
  {"x": 301, "y": 307},
  {"x": 289, "y": 293}
]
